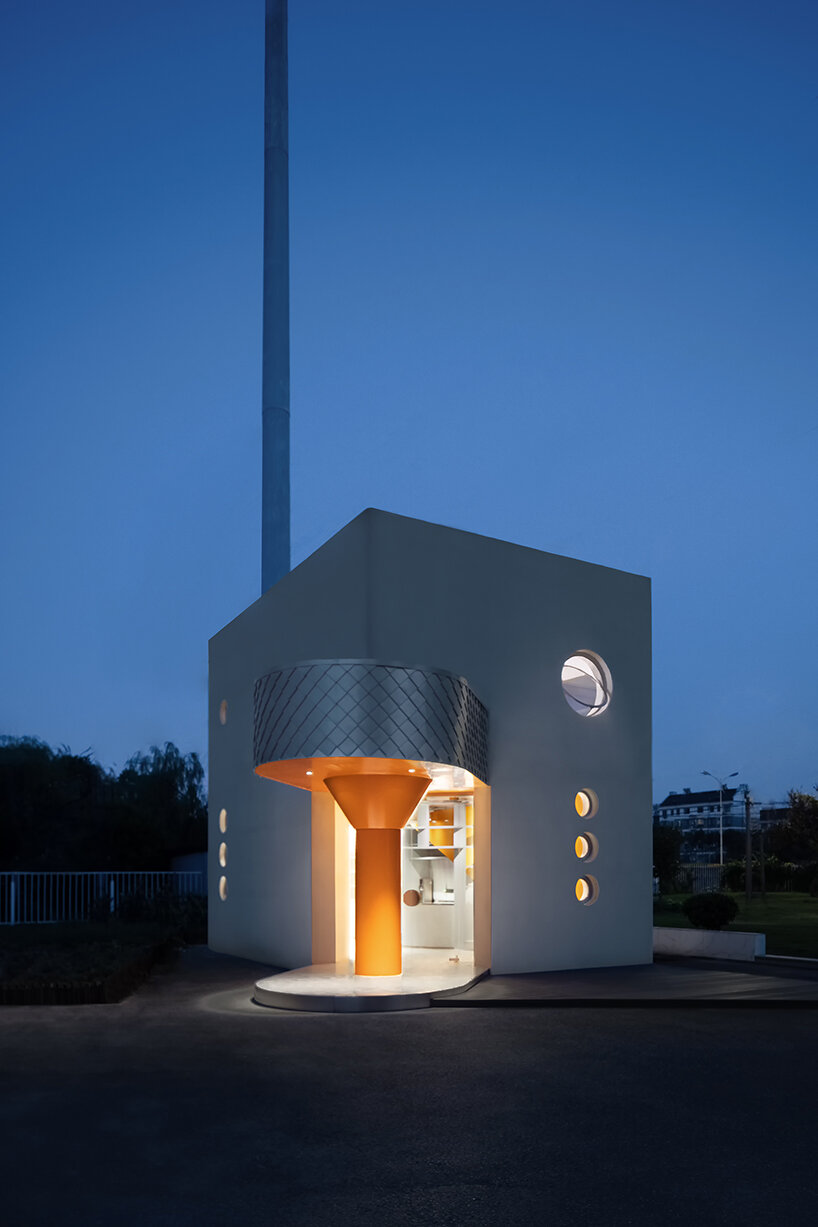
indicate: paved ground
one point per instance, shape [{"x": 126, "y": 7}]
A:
[
  {"x": 189, "y": 1105},
  {"x": 669, "y": 982}
]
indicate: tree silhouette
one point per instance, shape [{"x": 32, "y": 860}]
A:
[{"x": 60, "y": 810}]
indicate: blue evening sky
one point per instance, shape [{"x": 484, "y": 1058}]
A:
[{"x": 553, "y": 280}]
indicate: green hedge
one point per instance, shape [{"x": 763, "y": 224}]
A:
[
  {"x": 778, "y": 875},
  {"x": 35, "y": 985}
]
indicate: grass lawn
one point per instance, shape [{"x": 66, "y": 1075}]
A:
[{"x": 789, "y": 920}]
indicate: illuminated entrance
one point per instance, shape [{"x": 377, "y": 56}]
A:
[
  {"x": 439, "y": 868},
  {"x": 387, "y": 745}
]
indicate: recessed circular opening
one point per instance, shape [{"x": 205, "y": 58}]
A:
[
  {"x": 223, "y": 855},
  {"x": 222, "y": 887},
  {"x": 586, "y": 846},
  {"x": 586, "y": 683},
  {"x": 587, "y": 890},
  {"x": 223, "y": 712},
  {"x": 222, "y": 820},
  {"x": 586, "y": 803}
]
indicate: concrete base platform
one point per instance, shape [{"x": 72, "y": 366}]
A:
[{"x": 334, "y": 987}]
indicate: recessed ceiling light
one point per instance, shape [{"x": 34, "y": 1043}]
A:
[{"x": 309, "y": 773}]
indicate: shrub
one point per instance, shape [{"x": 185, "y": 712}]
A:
[
  {"x": 710, "y": 911},
  {"x": 136, "y": 906},
  {"x": 732, "y": 877},
  {"x": 661, "y": 903}
]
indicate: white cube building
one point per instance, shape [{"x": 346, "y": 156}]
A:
[{"x": 518, "y": 681}]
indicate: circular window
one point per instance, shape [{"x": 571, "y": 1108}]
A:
[
  {"x": 222, "y": 887},
  {"x": 586, "y": 683},
  {"x": 223, "y": 855},
  {"x": 223, "y": 712},
  {"x": 586, "y": 803},
  {"x": 585, "y": 846},
  {"x": 222, "y": 820},
  {"x": 587, "y": 890}
]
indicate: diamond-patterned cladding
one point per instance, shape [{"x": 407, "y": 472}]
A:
[{"x": 359, "y": 707}]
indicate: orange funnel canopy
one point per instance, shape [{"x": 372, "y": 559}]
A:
[
  {"x": 378, "y": 802},
  {"x": 377, "y": 806}
]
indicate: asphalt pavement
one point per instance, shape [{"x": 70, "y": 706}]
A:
[{"x": 188, "y": 1104}]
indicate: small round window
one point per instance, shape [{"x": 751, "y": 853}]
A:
[
  {"x": 586, "y": 846},
  {"x": 587, "y": 890},
  {"x": 586, "y": 803},
  {"x": 586, "y": 683}
]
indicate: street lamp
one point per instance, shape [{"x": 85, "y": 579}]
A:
[{"x": 722, "y": 785}]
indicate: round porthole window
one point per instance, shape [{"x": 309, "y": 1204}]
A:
[
  {"x": 223, "y": 855},
  {"x": 587, "y": 890},
  {"x": 586, "y": 683},
  {"x": 585, "y": 846},
  {"x": 222, "y": 820},
  {"x": 223, "y": 712},
  {"x": 222, "y": 887},
  {"x": 586, "y": 803}
]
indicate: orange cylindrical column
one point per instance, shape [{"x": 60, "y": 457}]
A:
[
  {"x": 377, "y": 903},
  {"x": 378, "y": 806}
]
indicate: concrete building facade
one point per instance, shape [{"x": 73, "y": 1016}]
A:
[{"x": 548, "y": 857}]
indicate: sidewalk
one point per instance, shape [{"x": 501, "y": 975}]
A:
[{"x": 668, "y": 982}]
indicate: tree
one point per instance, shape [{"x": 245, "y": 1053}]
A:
[
  {"x": 48, "y": 800},
  {"x": 667, "y": 847},
  {"x": 164, "y": 810},
  {"x": 796, "y": 838},
  {"x": 64, "y": 811}
]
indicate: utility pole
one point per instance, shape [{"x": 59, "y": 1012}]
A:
[{"x": 748, "y": 851}]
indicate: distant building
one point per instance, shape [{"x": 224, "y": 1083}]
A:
[
  {"x": 699, "y": 811},
  {"x": 774, "y": 813},
  {"x": 690, "y": 811}
]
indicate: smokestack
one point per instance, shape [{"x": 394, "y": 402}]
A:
[{"x": 275, "y": 373}]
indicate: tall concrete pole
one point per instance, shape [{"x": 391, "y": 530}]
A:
[
  {"x": 748, "y": 850},
  {"x": 275, "y": 375}
]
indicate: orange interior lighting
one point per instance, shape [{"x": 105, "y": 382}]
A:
[{"x": 441, "y": 831}]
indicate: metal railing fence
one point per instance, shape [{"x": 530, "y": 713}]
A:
[
  {"x": 700, "y": 878},
  {"x": 696, "y": 879},
  {"x": 30, "y": 897}
]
